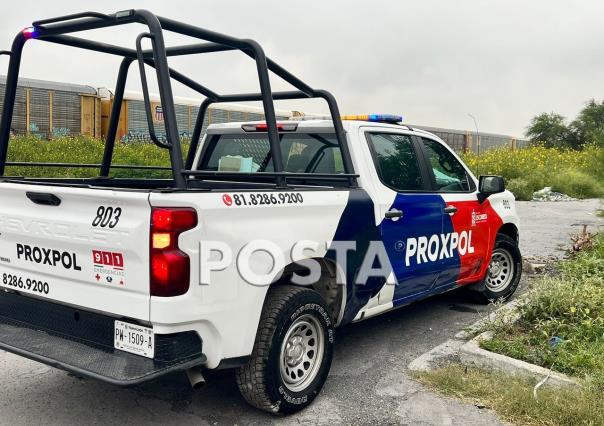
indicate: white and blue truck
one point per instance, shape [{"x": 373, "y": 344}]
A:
[{"x": 265, "y": 237}]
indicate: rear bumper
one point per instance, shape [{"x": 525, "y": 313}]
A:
[{"x": 81, "y": 342}]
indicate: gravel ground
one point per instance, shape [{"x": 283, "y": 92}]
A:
[{"x": 368, "y": 382}]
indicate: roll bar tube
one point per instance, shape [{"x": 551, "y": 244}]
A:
[{"x": 57, "y": 30}]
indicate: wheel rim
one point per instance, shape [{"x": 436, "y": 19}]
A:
[
  {"x": 501, "y": 270},
  {"x": 301, "y": 353}
]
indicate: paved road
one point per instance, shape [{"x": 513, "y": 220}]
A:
[
  {"x": 546, "y": 226},
  {"x": 368, "y": 381}
]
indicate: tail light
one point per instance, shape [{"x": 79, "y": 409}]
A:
[
  {"x": 263, "y": 127},
  {"x": 170, "y": 266}
]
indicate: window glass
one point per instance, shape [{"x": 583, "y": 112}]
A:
[
  {"x": 449, "y": 173},
  {"x": 302, "y": 153},
  {"x": 396, "y": 161}
]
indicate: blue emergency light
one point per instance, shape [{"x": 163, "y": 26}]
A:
[{"x": 376, "y": 118}]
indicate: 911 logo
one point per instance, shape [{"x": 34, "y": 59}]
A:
[
  {"x": 105, "y": 258},
  {"x": 108, "y": 267}
]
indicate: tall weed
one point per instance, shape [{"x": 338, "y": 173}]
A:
[{"x": 579, "y": 174}]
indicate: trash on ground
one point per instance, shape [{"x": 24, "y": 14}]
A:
[
  {"x": 555, "y": 341},
  {"x": 546, "y": 194}
]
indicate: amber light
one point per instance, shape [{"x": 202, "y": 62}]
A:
[{"x": 161, "y": 240}]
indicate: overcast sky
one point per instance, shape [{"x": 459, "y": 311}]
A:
[{"x": 431, "y": 61}]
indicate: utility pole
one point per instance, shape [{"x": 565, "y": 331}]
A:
[{"x": 477, "y": 133}]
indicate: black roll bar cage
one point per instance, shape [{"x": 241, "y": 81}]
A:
[{"x": 55, "y": 30}]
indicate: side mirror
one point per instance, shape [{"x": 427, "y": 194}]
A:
[{"x": 488, "y": 185}]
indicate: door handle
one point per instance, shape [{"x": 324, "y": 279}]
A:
[
  {"x": 393, "y": 214},
  {"x": 43, "y": 198},
  {"x": 450, "y": 210}
]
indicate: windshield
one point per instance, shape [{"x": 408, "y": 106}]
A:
[{"x": 249, "y": 153}]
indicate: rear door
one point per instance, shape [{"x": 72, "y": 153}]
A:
[{"x": 79, "y": 246}]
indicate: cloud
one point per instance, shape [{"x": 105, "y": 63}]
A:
[{"x": 432, "y": 61}]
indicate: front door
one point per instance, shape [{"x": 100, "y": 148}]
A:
[
  {"x": 411, "y": 215},
  {"x": 466, "y": 221}
]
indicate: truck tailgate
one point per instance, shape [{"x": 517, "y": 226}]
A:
[{"x": 79, "y": 246}]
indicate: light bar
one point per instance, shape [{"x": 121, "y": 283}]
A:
[
  {"x": 263, "y": 127},
  {"x": 376, "y": 118}
]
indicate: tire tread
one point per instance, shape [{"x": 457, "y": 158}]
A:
[
  {"x": 482, "y": 296},
  {"x": 251, "y": 378}
]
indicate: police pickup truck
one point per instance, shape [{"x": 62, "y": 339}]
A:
[{"x": 264, "y": 240}]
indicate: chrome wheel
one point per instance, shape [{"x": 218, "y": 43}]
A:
[
  {"x": 501, "y": 270},
  {"x": 301, "y": 353}
]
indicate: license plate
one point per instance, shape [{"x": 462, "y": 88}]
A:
[{"x": 135, "y": 339}]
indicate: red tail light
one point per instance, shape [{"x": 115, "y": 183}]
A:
[
  {"x": 170, "y": 266},
  {"x": 263, "y": 127}
]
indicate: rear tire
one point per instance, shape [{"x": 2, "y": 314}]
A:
[
  {"x": 504, "y": 272},
  {"x": 292, "y": 353}
]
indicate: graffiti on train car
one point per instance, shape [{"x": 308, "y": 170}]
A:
[{"x": 139, "y": 136}]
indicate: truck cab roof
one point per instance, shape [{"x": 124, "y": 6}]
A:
[{"x": 315, "y": 125}]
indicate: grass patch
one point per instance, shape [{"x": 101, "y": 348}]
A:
[
  {"x": 84, "y": 151},
  {"x": 577, "y": 184},
  {"x": 512, "y": 398},
  {"x": 568, "y": 307},
  {"x": 576, "y": 173},
  {"x": 521, "y": 188}
]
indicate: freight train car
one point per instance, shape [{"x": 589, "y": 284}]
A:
[
  {"x": 49, "y": 109},
  {"x": 133, "y": 121},
  {"x": 467, "y": 141}
]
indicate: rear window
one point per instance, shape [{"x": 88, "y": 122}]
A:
[{"x": 249, "y": 153}]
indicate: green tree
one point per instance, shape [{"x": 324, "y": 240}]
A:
[
  {"x": 588, "y": 127},
  {"x": 549, "y": 129}
]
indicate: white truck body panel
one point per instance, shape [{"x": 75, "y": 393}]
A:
[
  {"x": 226, "y": 311},
  {"x": 67, "y": 228}
]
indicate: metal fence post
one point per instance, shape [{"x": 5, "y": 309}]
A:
[
  {"x": 27, "y": 110},
  {"x": 50, "y": 114}
]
